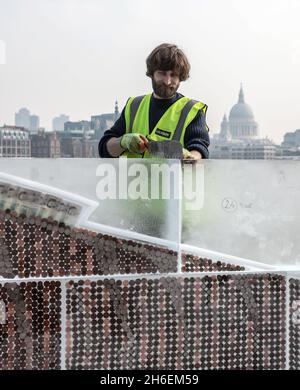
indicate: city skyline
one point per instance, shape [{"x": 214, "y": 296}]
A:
[
  {"x": 88, "y": 52},
  {"x": 58, "y": 122},
  {"x": 59, "y": 119}
]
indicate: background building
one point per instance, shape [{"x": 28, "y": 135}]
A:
[
  {"x": 78, "y": 146},
  {"x": 45, "y": 144},
  {"x": 34, "y": 123},
  {"x": 58, "y": 123},
  {"x": 23, "y": 118},
  {"x": 14, "y": 142},
  {"x": 291, "y": 140},
  {"x": 100, "y": 123},
  {"x": 290, "y": 147},
  {"x": 238, "y": 137},
  {"x": 241, "y": 122},
  {"x": 90, "y": 148},
  {"x": 78, "y": 128},
  {"x": 261, "y": 149}
]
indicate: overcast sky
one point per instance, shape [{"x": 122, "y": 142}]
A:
[{"x": 76, "y": 56}]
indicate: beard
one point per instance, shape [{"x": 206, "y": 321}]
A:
[{"x": 164, "y": 91}]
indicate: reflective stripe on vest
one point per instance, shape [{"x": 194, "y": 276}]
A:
[{"x": 171, "y": 126}]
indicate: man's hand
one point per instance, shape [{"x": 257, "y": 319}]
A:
[{"x": 134, "y": 142}]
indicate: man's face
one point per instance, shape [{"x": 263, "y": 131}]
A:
[{"x": 165, "y": 83}]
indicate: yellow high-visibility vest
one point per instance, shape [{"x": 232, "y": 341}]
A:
[{"x": 171, "y": 126}]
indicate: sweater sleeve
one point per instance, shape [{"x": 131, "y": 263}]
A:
[
  {"x": 196, "y": 135},
  {"x": 117, "y": 130}
]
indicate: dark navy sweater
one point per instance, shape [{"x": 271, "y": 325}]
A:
[{"x": 196, "y": 135}]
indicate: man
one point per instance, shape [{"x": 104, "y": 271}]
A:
[{"x": 163, "y": 115}]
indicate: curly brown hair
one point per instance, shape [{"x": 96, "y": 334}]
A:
[{"x": 168, "y": 57}]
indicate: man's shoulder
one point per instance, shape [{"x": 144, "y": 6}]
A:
[
  {"x": 138, "y": 96},
  {"x": 191, "y": 98}
]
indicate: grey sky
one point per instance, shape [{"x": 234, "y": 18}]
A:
[{"x": 77, "y": 56}]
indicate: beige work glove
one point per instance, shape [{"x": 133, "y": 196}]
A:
[
  {"x": 134, "y": 142},
  {"x": 186, "y": 154}
]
